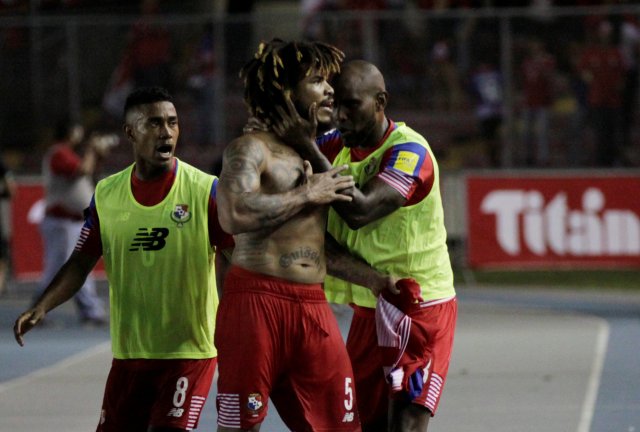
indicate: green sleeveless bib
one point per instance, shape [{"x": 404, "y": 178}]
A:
[
  {"x": 410, "y": 242},
  {"x": 160, "y": 267}
]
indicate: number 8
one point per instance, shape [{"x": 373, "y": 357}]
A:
[{"x": 181, "y": 389}]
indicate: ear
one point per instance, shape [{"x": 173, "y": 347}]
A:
[
  {"x": 381, "y": 100},
  {"x": 128, "y": 132}
]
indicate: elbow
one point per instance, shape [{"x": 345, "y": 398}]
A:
[
  {"x": 227, "y": 223},
  {"x": 235, "y": 223},
  {"x": 228, "y": 215},
  {"x": 353, "y": 217},
  {"x": 356, "y": 222}
]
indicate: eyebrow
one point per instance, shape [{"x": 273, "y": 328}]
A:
[
  {"x": 160, "y": 118},
  {"x": 317, "y": 75}
]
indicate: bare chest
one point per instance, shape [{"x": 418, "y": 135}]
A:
[{"x": 285, "y": 170}]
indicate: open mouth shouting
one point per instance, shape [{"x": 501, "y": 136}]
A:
[{"x": 165, "y": 151}]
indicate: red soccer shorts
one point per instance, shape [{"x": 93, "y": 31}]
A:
[
  {"x": 371, "y": 387},
  {"x": 161, "y": 393},
  {"x": 280, "y": 340}
]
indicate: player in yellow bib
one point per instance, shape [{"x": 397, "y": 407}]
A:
[
  {"x": 155, "y": 224},
  {"x": 399, "y": 342}
]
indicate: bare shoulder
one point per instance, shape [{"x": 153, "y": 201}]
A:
[
  {"x": 244, "y": 160},
  {"x": 252, "y": 144},
  {"x": 248, "y": 150}
]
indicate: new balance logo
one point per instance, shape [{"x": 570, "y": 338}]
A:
[
  {"x": 175, "y": 412},
  {"x": 348, "y": 417},
  {"x": 149, "y": 240}
]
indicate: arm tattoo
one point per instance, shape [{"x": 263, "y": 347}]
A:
[
  {"x": 244, "y": 177},
  {"x": 242, "y": 167}
]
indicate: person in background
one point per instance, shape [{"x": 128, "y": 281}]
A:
[
  {"x": 486, "y": 87},
  {"x": 601, "y": 67},
  {"x": 155, "y": 223},
  {"x": 68, "y": 186},
  {"x": 201, "y": 82},
  {"x": 630, "y": 48},
  {"x": 538, "y": 74},
  {"x": 7, "y": 191}
]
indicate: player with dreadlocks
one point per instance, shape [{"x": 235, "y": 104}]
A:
[
  {"x": 276, "y": 334},
  {"x": 267, "y": 80}
]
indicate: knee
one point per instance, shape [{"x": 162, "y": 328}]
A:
[{"x": 408, "y": 417}]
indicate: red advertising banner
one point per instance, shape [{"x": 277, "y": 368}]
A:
[
  {"x": 27, "y": 210},
  {"x": 26, "y": 244},
  {"x": 553, "y": 221}
]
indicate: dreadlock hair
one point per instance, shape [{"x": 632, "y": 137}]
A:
[{"x": 278, "y": 66}]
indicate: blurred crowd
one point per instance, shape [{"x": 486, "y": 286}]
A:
[{"x": 565, "y": 95}]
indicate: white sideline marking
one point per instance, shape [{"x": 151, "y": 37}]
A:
[
  {"x": 588, "y": 406},
  {"x": 56, "y": 367}
]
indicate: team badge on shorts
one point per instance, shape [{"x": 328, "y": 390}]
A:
[
  {"x": 254, "y": 402},
  {"x": 181, "y": 214}
]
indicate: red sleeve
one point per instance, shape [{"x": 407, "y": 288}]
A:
[
  {"x": 330, "y": 144},
  {"x": 89, "y": 241},
  {"x": 65, "y": 162},
  {"x": 409, "y": 169}
]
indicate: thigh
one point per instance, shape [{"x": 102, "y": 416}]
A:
[
  {"x": 182, "y": 388},
  {"x": 317, "y": 391},
  {"x": 371, "y": 386},
  {"x": 54, "y": 241},
  {"x": 126, "y": 404},
  {"x": 159, "y": 393},
  {"x": 248, "y": 334}
]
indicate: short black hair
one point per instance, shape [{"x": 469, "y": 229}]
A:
[{"x": 146, "y": 95}]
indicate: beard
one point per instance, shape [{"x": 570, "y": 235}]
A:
[{"x": 324, "y": 124}]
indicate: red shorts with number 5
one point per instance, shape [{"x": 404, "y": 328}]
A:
[
  {"x": 160, "y": 393},
  {"x": 280, "y": 340}
]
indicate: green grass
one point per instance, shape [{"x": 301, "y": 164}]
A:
[{"x": 588, "y": 279}]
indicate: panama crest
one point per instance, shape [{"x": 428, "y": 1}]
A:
[
  {"x": 254, "y": 402},
  {"x": 181, "y": 214}
]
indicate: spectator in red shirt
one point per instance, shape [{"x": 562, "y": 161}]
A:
[
  {"x": 68, "y": 185},
  {"x": 601, "y": 66},
  {"x": 538, "y": 72}
]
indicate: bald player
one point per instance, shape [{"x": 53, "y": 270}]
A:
[{"x": 395, "y": 222}]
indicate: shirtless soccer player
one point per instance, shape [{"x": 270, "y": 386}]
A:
[{"x": 276, "y": 334}]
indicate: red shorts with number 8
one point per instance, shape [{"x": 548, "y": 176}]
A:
[{"x": 160, "y": 393}]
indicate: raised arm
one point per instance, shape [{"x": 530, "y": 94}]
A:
[
  {"x": 64, "y": 285},
  {"x": 245, "y": 207}
]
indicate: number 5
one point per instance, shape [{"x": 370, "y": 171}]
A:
[{"x": 348, "y": 391}]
